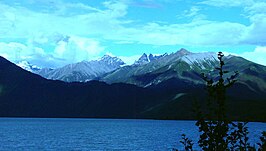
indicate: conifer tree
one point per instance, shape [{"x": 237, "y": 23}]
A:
[{"x": 217, "y": 132}]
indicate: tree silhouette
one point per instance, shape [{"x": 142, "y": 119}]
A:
[{"x": 217, "y": 132}]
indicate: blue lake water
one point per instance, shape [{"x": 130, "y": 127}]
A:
[{"x": 99, "y": 134}]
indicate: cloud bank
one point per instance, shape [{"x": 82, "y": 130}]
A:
[{"x": 60, "y": 32}]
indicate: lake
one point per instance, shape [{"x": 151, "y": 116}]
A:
[{"x": 99, "y": 134}]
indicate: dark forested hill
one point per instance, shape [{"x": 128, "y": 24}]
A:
[{"x": 24, "y": 94}]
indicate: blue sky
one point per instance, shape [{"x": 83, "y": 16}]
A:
[{"x": 52, "y": 33}]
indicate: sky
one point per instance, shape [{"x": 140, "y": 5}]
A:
[{"x": 53, "y": 33}]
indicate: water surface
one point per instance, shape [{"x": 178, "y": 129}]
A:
[{"x": 98, "y": 134}]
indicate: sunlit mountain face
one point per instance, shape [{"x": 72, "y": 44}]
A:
[{"x": 53, "y": 34}]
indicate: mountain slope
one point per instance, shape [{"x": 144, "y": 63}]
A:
[
  {"x": 184, "y": 65},
  {"x": 83, "y": 71},
  {"x": 24, "y": 94},
  {"x": 163, "y": 68}
]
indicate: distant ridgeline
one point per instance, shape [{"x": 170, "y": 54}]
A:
[{"x": 159, "y": 87}]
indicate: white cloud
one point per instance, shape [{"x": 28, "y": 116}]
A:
[
  {"x": 257, "y": 56},
  {"x": 145, "y": 3},
  {"x": 256, "y": 32},
  {"x": 15, "y": 51},
  {"x": 116, "y": 9},
  {"x": 256, "y": 8},
  {"x": 204, "y": 32},
  {"x": 129, "y": 59},
  {"x": 227, "y": 3},
  {"x": 72, "y": 50},
  {"x": 196, "y": 33},
  {"x": 193, "y": 11},
  {"x": 21, "y": 22},
  {"x": 53, "y": 22},
  {"x": 77, "y": 49},
  {"x": 110, "y": 24}
]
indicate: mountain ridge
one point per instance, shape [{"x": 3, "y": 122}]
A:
[
  {"x": 178, "y": 59},
  {"x": 24, "y": 94},
  {"x": 182, "y": 64},
  {"x": 83, "y": 71}
]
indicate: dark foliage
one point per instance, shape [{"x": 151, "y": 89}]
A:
[
  {"x": 217, "y": 131},
  {"x": 262, "y": 144},
  {"x": 187, "y": 143}
]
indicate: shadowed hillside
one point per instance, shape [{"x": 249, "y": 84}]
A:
[{"x": 24, "y": 94}]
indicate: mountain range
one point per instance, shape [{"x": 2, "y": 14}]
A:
[
  {"x": 85, "y": 70},
  {"x": 82, "y": 71},
  {"x": 24, "y": 94},
  {"x": 112, "y": 69},
  {"x": 181, "y": 64},
  {"x": 161, "y": 87}
]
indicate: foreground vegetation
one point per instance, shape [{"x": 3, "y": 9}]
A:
[{"x": 217, "y": 132}]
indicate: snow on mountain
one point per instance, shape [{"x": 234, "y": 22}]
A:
[
  {"x": 44, "y": 72},
  {"x": 83, "y": 71},
  {"x": 142, "y": 60},
  {"x": 103, "y": 67},
  {"x": 145, "y": 71},
  {"x": 199, "y": 57},
  {"x": 27, "y": 66},
  {"x": 183, "y": 52},
  {"x": 113, "y": 61}
]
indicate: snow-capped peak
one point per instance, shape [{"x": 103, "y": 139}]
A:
[
  {"x": 183, "y": 52},
  {"x": 200, "y": 58},
  {"x": 85, "y": 70},
  {"x": 111, "y": 60},
  {"x": 143, "y": 59},
  {"x": 28, "y": 66}
]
